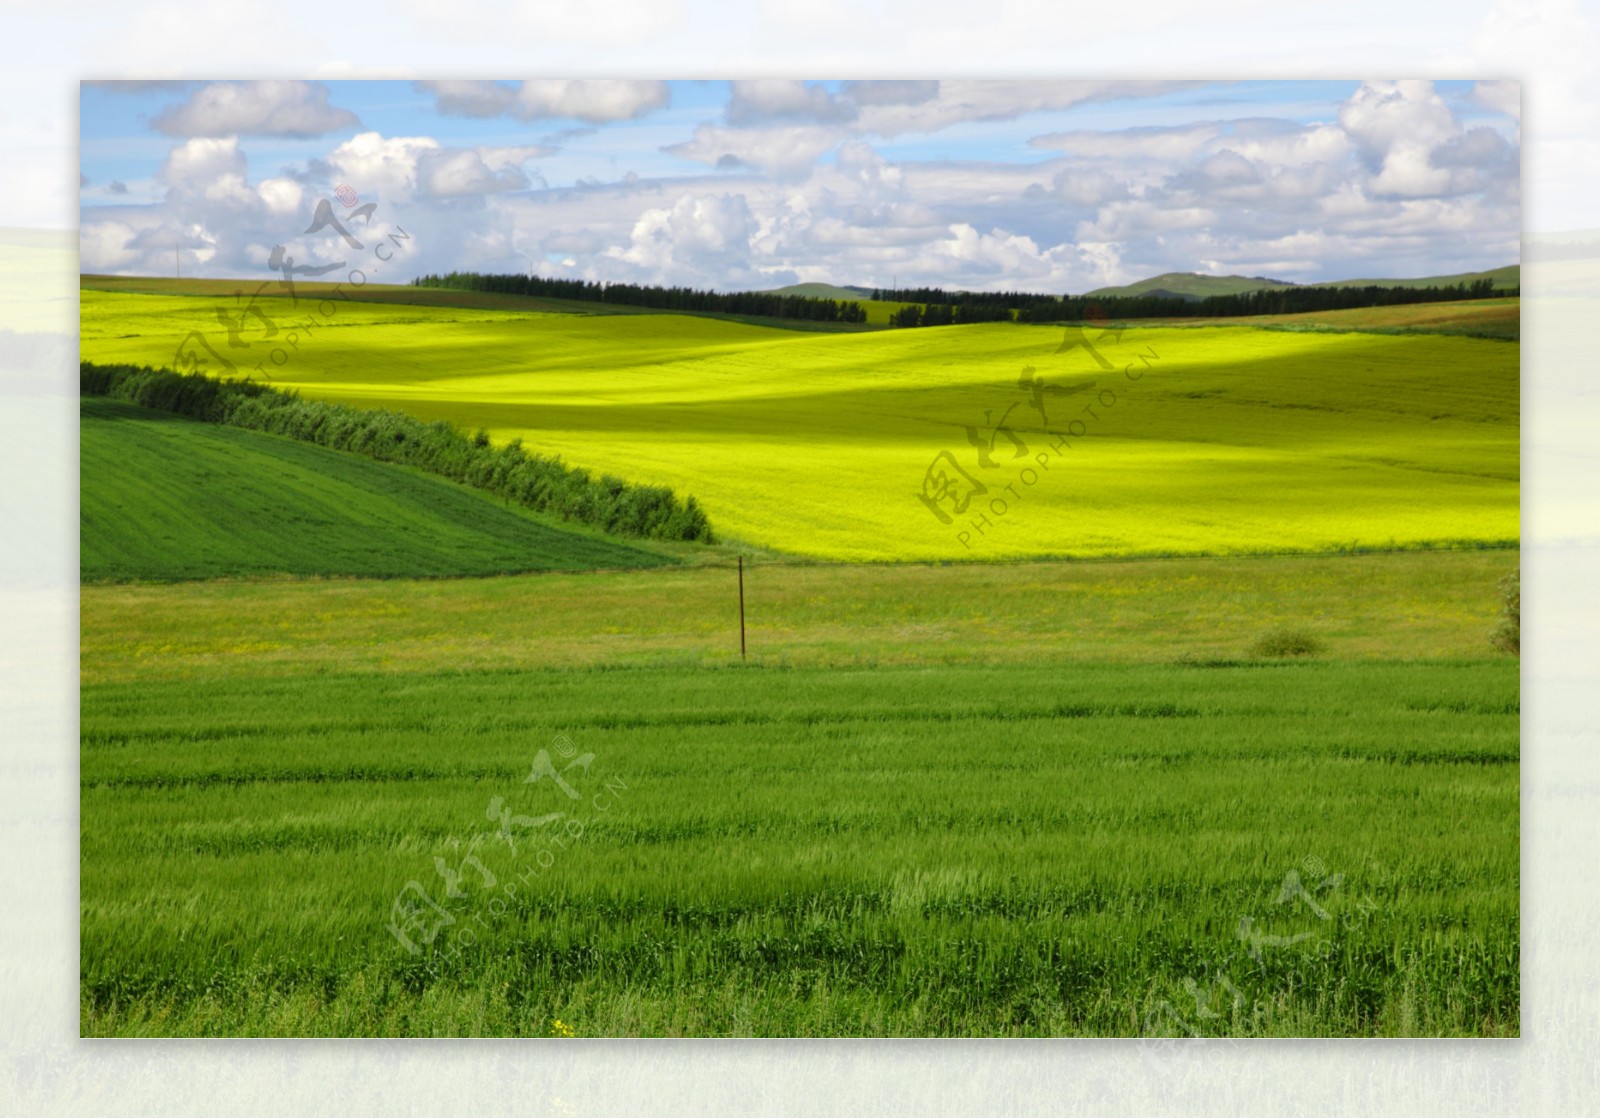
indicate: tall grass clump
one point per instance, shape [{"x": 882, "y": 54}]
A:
[{"x": 540, "y": 482}]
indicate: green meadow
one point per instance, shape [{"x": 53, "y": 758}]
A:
[
  {"x": 1381, "y": 607},
  {"x": 1165, "y": 440},
  {"x": 1218, "y": 744},
  {"x": 921, "y": 807}
]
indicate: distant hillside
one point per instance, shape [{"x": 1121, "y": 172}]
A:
[
  {"x": 1192, "y": 285},
  {"x": 1508, "y": 277},
  {"x": 823, "y": 291}
]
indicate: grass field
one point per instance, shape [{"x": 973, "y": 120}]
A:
[
  {"x": 1225, "y": 440},
  {"x": 1031, "y": 799},
  {"x": 1037, "y": 797},
  {"x": 1377, "y": 607},
  {"x": 167, "y": 498}
]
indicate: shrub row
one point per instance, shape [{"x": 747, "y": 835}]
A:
[{"x": 539, "y": 482}]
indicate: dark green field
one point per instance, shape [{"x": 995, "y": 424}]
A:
[
  {"x": 1032, "y": 799},
  {"x": 168, "y": 498},
  {"x": 984, "y": 850}
]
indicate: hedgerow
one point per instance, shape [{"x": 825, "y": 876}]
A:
[{"x": 540, "y": 482}]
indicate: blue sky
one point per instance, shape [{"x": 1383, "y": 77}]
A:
[{"x": 1054, "y": 186}]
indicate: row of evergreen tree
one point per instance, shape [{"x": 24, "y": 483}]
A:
[
  {"x": 1008, "y": 300},
  {"x": 947, "y": 314},
  {"x": 941, "y": 307},
  {"x": 771, "y": 304},
  {"x": 536, "y": 481},
  {"x": 1267, "y": 301},
  {"x": 945, "y": 307}
]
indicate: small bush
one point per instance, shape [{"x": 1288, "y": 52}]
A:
[
  {"x": 1286, "y": 643},
  {"x": 1507, "y": 636}
]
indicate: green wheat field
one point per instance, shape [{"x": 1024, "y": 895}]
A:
[{"x": 1204, "y": 735}]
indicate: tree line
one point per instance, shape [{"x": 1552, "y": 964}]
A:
[
  {"x": 771, "y": 304},
  {"x": 537, "y": 481},
  {"x": 1006, "y": 300},
  {"x": 942, "y": 307},
  {"x": 937, "y": 307},
  {"x": 950, "y": 314}
]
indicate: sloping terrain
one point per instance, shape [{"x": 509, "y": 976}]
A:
[
  {"x": 1155, "y": 440},
  {"x": 167, "y": 498}
]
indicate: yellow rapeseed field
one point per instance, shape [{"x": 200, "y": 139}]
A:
[{"x": 965, "y": 442}]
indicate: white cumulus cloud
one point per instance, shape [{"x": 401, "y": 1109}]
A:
[
  {"x": 597, "y": 101},
  {"x": 699, "y": 236},
  {"x": 262, "y": 108},
  {"x": 787, "y": 150},
  {"x": 1501, "y": 96},
  {"x": 768, "y": 98}
]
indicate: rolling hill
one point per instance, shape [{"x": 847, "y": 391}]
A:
[
  {"x": 1504, "y": 279},
  {"x": 1227, "y": 439},
  {"x": 1191, "y": 285}
]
